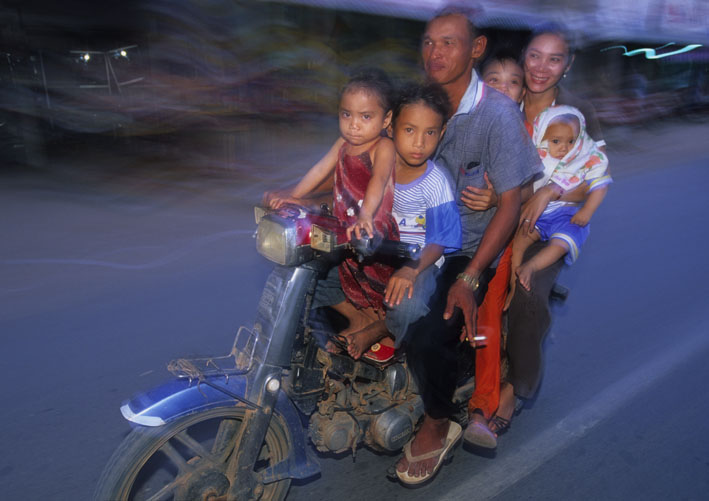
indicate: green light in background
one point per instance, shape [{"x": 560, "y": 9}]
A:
[{"x": 652, "y": 53}]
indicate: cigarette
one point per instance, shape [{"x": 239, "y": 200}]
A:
[{"x": 479, "y": 338}]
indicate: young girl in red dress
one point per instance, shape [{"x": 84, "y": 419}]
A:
[{"x": 360, "y": 164}]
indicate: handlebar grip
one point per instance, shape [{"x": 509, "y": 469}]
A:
[
  {"x": 368, "y": 246},
  {"x": 400, "y": 249}
]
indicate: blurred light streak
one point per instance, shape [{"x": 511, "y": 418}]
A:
[{"x": 652, "y": 53}]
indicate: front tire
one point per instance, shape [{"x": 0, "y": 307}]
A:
[{"x": 185, "y": 460}]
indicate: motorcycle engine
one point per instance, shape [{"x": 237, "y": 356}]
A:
[
  {"x": 391, "y": 429},
  {"x": 338, "y": 433},
  {"x": 382, "y": 414}
]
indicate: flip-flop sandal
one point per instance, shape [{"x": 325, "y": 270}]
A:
[
  {"x": 340, "y": 341},
  {"x": 379, "y": 353},
  {"x": 443, "y": 454},
  {"x": 479, "y": 434},
  {"x": 501, "y": 424}
]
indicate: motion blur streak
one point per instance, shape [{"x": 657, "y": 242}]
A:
[
  {"x": 167, "y": 259},
  {"x": 191, "y": 81}
]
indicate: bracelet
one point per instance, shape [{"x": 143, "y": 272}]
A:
[{"x": 470, "y": 280}]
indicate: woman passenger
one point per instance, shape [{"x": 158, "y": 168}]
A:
[{"x": 547, "y": 59}]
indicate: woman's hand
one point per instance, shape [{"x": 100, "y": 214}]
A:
[
  {"x": 534, "y": 207},
  {"x": 479, "y": 199},
  {"x": 402, "y": 280}
]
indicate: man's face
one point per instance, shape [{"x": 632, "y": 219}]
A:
[{"x": 448, "y": 51}]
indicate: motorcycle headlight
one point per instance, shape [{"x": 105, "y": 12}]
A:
[{"x": 276, "y": 240}]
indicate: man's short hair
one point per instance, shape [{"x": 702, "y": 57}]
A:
[{"x": 470, "y": 13}]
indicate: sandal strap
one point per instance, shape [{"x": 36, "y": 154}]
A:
[
  {"x": 340, "y": 341},
  {"x": 501, "y": 424},
  {"x": 424, "y": 457},
  {"x": 478, "y": 411}
]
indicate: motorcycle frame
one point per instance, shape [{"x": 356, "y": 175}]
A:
[{"x": 260, "y": 389}]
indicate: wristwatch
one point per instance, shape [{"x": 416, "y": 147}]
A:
[{"x": 470, "y": 280}]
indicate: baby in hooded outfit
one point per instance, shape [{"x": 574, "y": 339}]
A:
[{"x": 570, "y": 157}]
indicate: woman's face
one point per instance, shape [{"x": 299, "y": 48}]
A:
[{"x": 545, "y": 62}]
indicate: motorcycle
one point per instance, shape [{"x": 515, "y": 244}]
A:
[{"x": 237, "y": 427}]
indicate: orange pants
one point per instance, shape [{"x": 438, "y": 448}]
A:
[{"x": 486, "y": 396}]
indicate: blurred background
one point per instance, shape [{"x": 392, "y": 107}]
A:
[{"x": 201, "y": 80}]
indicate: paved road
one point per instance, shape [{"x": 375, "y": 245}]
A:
[{"x": 102, "y": 283}]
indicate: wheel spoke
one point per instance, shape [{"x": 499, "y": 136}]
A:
[
  {"x": 176, "y": 458},
  {"x": 186, "y": 459},
  {"x": 223, "y": 442},
  {"x": 195, "y": 446},
  {"x": 165, "y": 492}
]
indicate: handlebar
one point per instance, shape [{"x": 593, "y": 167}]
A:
[
  {"x": 368, "y": 246},
  {"x": 319, "y": 230}
]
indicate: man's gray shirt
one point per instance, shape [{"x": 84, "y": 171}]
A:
[{"x": 489, "y": 137}]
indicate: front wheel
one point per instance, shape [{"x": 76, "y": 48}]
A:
[{"x": 187, "y": 459}]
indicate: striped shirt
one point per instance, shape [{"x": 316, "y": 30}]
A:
[{"x": 426, "y": 212}]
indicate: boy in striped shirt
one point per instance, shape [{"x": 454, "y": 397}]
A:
[{"x": 426, "y": 212}]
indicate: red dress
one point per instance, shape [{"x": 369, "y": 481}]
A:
[{"x": 363, "y": 283}]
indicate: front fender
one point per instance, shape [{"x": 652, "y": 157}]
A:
[{"x": 180, "y": 397}]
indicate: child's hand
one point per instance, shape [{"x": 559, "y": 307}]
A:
[
  {"x": 275, "y": 199},
  {"x": 402, "y": 280},
  {"x": 582, "y": 218},
  {"x": 364, "y": 223},
  {"x": 268, "y": 198}
]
